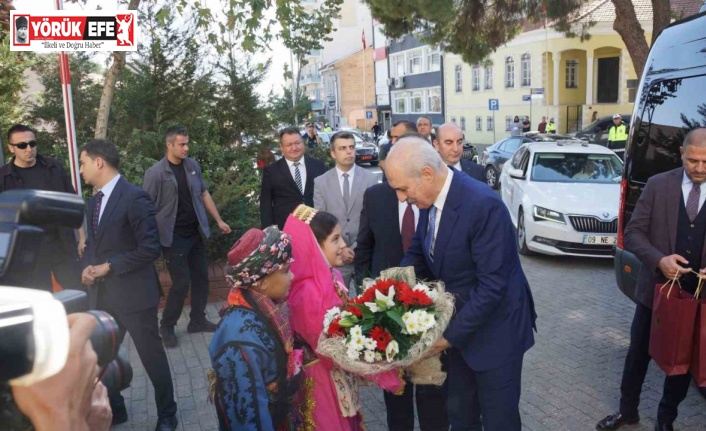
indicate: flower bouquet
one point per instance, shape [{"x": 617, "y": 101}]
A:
[{"x": 391, "y": 325}]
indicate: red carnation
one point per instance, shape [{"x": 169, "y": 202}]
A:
[
  {"x": 354, "y": 311},
  {"x": 411, "y": 297},
  {"x": 334, "y": 329},
  {"x": 381, "y": 337}
]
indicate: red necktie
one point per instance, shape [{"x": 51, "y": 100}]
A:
[{"x": 407, "y": 228}]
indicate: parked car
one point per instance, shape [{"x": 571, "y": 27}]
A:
[
  {"x": 563, "y": 198},
  {"x": 668, "y": 104},
  {"x": 597, "y": 132},
  {"x": 497, "y": 154}
]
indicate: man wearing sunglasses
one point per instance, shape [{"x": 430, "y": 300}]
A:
[{"x": 59, "y": 252}]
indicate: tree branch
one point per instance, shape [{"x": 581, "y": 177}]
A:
[{"x": 629, "y": 29}]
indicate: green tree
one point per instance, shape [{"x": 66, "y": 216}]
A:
[
  {"x": 476, "y": 28},
  {"x": 282, "y": 111},
  {"x": 12, "y": 68}
]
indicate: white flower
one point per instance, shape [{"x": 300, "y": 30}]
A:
[
  {"x": 352, "y": 353},
  {"x": 411, "y": 321},
  {"x": 329, "y": 316},
  {"x": 378, "y": 356},
  {"x": 357, "y": 343},
  {"x": 370, "y": 344},
  {"x": 369, "y": 356},
  {"x": 372, "y": 306},
  {"x": 431, "y": 293},
  {"x": 356, "y": 331},
  {"x": 388, "y": 300},
  {"x": 392, "y": 349}
]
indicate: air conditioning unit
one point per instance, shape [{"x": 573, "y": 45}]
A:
[
  {"x": 399, "y": 82},
  {"x": 390, "y": 82}
]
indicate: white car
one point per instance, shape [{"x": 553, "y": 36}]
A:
[{"x": 563, "y": 198}]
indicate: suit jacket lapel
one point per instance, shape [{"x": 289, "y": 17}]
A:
[
  {"x": 284, "y": 170},
  {"x": 392, "y": 210},
  {"x": 309, "y": 186},
  {"x": 109, "y": 208},
  {"x": 674, "y": 194},
  {"x": 357, "y": 188}
]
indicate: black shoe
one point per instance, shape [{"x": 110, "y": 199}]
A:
[
  {"x": 615, "y": 421},
  {"x": 169, "y": 338},
  {"x": 119, "y": 415},
  {"x": 663, "y": 427},
  {"x": 201, "y": 326},
  {"x": 167, "y": 424}
]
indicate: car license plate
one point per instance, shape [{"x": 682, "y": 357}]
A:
[
  {"x": 600, "y": 239},
  {"x": 366, "y": 157}
]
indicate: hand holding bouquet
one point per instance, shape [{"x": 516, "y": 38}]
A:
[{"x": 392, "y": 324}]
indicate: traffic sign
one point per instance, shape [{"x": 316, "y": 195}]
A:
[
  {"x": 526, "y": 97},
  {"x": 493, "y": 104},
  {"x": 537, "y": 91},
  {"x": 369, "y": 115}
]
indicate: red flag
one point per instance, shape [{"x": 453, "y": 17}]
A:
[{"x": 364, "y": 45}]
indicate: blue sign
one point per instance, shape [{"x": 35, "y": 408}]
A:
[
  {"x": 526, "y": 97},
  {"x": 369, "y": 115},
  {"x": 493, "y": 104},
  {"x": 537, "y": 91}
]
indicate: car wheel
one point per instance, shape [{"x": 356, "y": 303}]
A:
[
  {"x": 522, "y": 235},
  {"x": 374, "y": 164},
  {"x": 491, "y": 177}
]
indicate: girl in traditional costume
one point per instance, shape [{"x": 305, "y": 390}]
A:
[
  {"x": 255, "y": 366},
  {"x": 329, "y": 399}
]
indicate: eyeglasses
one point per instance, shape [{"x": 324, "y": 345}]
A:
[{"x": 23, "y": 145}]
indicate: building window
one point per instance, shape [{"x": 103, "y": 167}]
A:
[
  {"x": 415, "y": 62},
  {"x": 433, "y": 60},
  {"x": 489, "y": 77},
  {"x": 526, "y": 70},
  {"x": 509, "y": 72},
  {"x": 572, "y": 74},
  {"x": 479, "y": 123},
  {"x": 416, "y": 102},
  {"x": 453, "y": 120},
  {"x": 400, "y": 102},
  {"x": 508, "y": 123},
  {"x": 475, "y": 78},
  {"x": 434, "y": 100},
  {"x": 459, "y": 79},
  {"x": 397, "y": 62},
  {"x": 490, "y": 124},
  {"x": 463, "y": 123}
]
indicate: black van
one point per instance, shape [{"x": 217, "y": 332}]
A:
[{"x": 671, "y": 101}]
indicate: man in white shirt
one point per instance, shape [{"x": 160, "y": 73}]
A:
[
  {"x": 340, "y": 192},
  {"x": 424, "y": 128},
  {"x": 449, "y": 144}
]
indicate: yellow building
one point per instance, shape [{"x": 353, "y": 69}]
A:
[{"x": 575, "y": 78}]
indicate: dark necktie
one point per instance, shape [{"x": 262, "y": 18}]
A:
[
  {"x": 692, "y": 203},
  {"x": 407, "y": 228},
  {"x": 97, "y": 212},
  {"x": 429, "y": 239},
  {"x": 298, "y": 177}
]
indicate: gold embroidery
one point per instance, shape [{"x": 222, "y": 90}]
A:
[
  {"x": 400, "y": 375},
  {"x": 304, "y": 213},
  {"x": 211, "y": 375},
  {"x": 307, "y": 404}
]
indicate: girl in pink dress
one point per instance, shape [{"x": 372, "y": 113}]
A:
[{"x": 329, "y": 397}]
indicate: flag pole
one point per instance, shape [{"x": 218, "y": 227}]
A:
[{"x": 365, "y": 109}]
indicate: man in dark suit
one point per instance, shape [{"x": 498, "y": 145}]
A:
[
  {"x": 666, "y": 232},
  {"x": 121, "y": 247},
  {"x": 386, "y": 230},
  {"x": 466, "y": 239},
  {"x": 449, "y": 144},
  {"x": 289, "y": 181},
  {"x": 424, "y": 128}
]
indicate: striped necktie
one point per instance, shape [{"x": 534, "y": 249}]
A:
[{"x": 298, "y": 177}]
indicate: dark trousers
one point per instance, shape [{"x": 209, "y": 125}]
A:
[
  {"x": 188, "y": 265},
  {"x": 54, "y": 258},
  {"x": 431, "y": 408},
  {"x": 483, "y": 400},
  {"x": 143, "y": 329},
  {"x": 635, "y": 370}
]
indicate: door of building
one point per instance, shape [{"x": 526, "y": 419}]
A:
[{"x": 608, "y": 80}]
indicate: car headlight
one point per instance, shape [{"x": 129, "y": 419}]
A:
[{"x": 548, "y": 215}]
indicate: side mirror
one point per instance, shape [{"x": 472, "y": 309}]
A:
[{"x": 515, "y": 173}]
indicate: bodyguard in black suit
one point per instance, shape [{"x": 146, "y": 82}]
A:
[
  {"x": 386, "y": 230},
  {"x": 449, "y": 144},
  {"x": 121, "y": 247},
  {"x": 289, "y": 181}
]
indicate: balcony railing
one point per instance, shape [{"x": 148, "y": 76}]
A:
[{"x": 310, "y": 79}]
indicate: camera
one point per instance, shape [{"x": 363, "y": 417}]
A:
[{"x": 34, "y": 334}]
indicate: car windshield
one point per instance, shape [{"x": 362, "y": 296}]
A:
[{"x": 577, "y": 168}]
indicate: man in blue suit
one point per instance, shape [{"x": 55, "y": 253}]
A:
[
  {"x": 121, "y": 247},
  {"x": 465, "y": 238},
  {"x": 449, "y": 143}
]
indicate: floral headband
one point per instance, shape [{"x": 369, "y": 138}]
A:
[{"x": 272, "y": 253}]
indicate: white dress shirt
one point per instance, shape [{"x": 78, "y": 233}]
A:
[
  {"x": 302, "y": 171},
  {"x": 107, "y": 191},
  {"x": 350, "y": 179},
  {"x": 402, "y": 207},
  {"x": 458, "y": 167},
  {"x": 686, "y": 185},
  {"x": 441, "y": 201}
]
